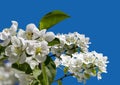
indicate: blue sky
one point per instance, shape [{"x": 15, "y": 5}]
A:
[{"x": 97, "y": 19}]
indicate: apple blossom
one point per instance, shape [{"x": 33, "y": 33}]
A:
[
  {"x": 32, "y": 48},
  {"x": 38, "y": 50},
  {"x": 16, "y": 52},
  {"x": 6, "y": 34}
]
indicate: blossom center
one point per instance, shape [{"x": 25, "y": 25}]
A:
[
  {"x": 29, "y": 35},
  {"x": 17, "y": 50},
  {"x": 38, "y": 50}
]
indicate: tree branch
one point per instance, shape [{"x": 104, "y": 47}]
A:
[{"x": 66, "y": 75}]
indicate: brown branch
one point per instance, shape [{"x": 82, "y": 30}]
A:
[{"x": 66, "y": 75}]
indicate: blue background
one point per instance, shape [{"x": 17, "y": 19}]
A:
[{"x": 97, "y": 19}]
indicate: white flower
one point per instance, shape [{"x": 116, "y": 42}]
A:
[
  {"x": 81, "y": 41},
  {"x": 71, "y": 38},
  {"x": 16, "y": 51},
  {"x": 13, "y": 28},
  {"x": 57, "y": 50},
  {"x": 6, "y": 76},
  {"x": 6, "y": 34},
  {"x": 83, "y": 65},
  {"x": 65, "y": 60},
  {"x": 42, "y": 35},
  {"x": 88, "y": 58},
  {"x": 74, "y": 38},
  {"x": 39, "y": 50},
  {"x": 73, "y": 62},
  {"x": 62, "y": 39},
  {"x": 57, "y": 62},
  {"x": 76, "y": 60},
  {"x": 99, "y": 75},
  {"x": 4, "y": 38},
  {"x": 21, "y": 33},
  {"x": 101, "y": 61},
  {"x": 49, "y": 36},
  {"x": 23, "y": 78},
  {"x": 81, "y": 77},
  {"x": 32, "y": 62},
  {"x": 31, "y": 33},
  {"x": 70, "y": 43}
]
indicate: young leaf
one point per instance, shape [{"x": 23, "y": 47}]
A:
[
  {"x": 87, "y": 75},
  {"x": 66, "y": 70},
  {"x": 59, "y": 82},
  {"x": 36, "y": 72},
  {"x": 51, "y": 19},
  {"x": 54, "y": 42},
  {"x": 23, "y": 67},
  {"x": 93, "y": 72}
]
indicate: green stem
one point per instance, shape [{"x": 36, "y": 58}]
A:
[{"x": 45, "y": 77}]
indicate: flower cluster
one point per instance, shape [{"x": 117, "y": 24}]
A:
[
  {"x": 32, "y": 47},
  {"x": 71, "y": 43},
  {"x": 84, "y": 65},
  {"x": 73, "y": 54},
  {"x": 32, "y": 42}
]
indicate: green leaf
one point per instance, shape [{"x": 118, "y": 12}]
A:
[
  {"x": 54, "y": 42},
  {"x": 3, "y": 58},
  {"x": 59, "y": 82},
  {"x": 35, "y": 82},
  {"x": 48, "y": 71},
  {"x": 23, "y": 67},
  {"x": 87, "y": 75},
  {"x": 51, "y": 19},
  {"x": 51, "y": 69},
  {"x": 66, "y": 70},
  {"x": 93, "y": 72},
  {"x": 2, "y": 49},
  {"x": 45, "y": 77},
  {"x": 36, "y": 72}
]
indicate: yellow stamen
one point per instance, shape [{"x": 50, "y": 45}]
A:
[{"x": 38, "y": 50}]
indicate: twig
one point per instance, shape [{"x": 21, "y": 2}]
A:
[{"x": 66, "y": 75}]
